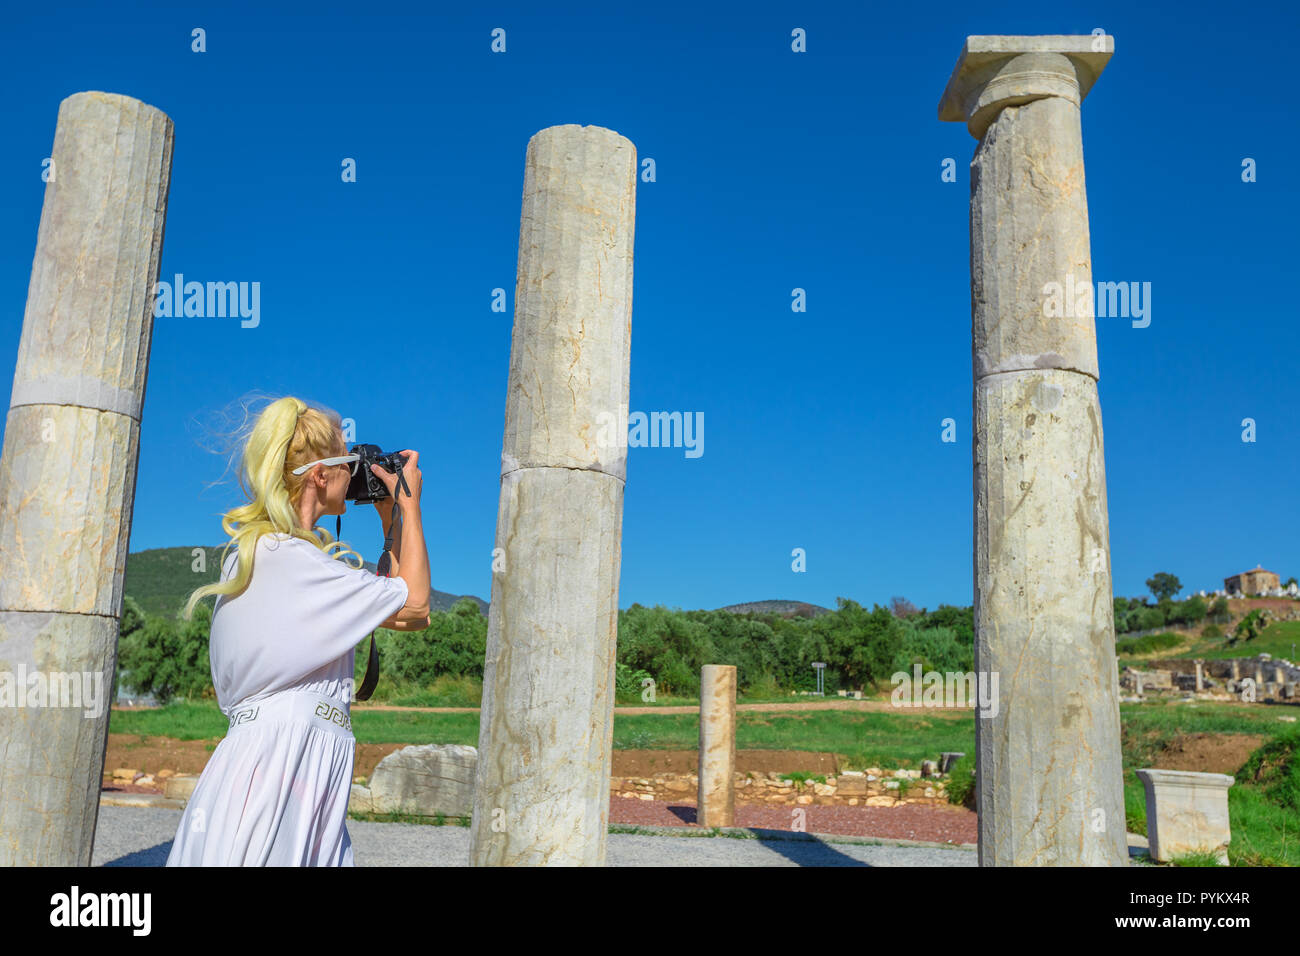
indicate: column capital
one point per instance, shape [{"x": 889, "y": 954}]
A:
[{"x": 994, "y": 72}]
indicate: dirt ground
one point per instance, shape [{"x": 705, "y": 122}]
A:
[
  {"x": 157, "y": 753},
  {"x": 1208, "y": 753},
  {"x": 190, "y": 756}
]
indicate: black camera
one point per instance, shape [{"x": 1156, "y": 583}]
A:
[{"x": 364, "y": 486}]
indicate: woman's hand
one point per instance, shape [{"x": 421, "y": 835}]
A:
[{"x": 411, "y": 472}]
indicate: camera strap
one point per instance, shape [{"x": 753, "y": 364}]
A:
[{"x": 383, "y": 568}]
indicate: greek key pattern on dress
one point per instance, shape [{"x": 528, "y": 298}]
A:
[
  {"x": 244, "y": 716},
  {"x": 334, "y": 715}
]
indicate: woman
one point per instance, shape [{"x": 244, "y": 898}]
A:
[{"x": 288, "y": 617}]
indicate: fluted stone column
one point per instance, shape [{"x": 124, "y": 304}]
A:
[
  {"x": 546, "y": 729},
  {"x": 1199, "y": 674},
  {"x": 67, "y": 472},
  {"x": 716, "y": 806},
  {"x": 1049, "y": 776}
]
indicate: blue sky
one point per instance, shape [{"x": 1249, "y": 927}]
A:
[{"x": 775, "y": 170}]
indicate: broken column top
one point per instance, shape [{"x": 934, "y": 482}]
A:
[
  {"x": 993, "y": 72},
  {"x": 1186, "y": 778}
]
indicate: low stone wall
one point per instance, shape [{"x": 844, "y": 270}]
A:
[
  {"x": 439, "y": 779},
  {"x": 870, "y": 788}
]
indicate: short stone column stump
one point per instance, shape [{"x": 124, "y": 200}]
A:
[{"x": 1187, "y": 812}]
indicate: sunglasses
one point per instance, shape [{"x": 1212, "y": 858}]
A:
[{"x": 337, "y": 460}]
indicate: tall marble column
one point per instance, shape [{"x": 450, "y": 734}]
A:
[
  {"x": 1049, "y": 777},
  {"x": 67, "y": 471},
  {"x": 716, "y": 804},
  {"x": 546, "y": 727}
]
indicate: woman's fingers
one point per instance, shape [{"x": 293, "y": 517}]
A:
[{"x": 388, "y": 480}]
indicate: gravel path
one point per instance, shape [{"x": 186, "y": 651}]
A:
[
  {"x": 130, "y": 836},
  {"x": 907, "y": 822}
]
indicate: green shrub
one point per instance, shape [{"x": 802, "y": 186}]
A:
[
  {"x": 455, "y": 643},
  {"x": 1248, "y": 627},
  {"x": 961, "y": 783},
  {"x": 1275, "y": 769},
  {"x": 627, "y": 683},
  {"x": 935, "y": 649},
  {"x": 764, "y": 687},
  {"x": 1212, "y": 632}
]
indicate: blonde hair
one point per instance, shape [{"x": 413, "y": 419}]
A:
[{"x": 289, "y": 432}]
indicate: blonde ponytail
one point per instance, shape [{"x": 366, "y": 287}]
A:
[{"x": 288, "y": 433}]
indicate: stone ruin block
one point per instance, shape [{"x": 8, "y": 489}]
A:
[{"x": 1187, "y": 812}]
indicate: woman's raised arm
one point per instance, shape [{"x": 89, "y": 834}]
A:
[{"x": 413, "y": 566}]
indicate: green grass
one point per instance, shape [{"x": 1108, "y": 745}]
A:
[
  {"x": 202, "y": 721},
  {"x": 437, "y": 820},
  {"x": 1263, "y": 834},
  {"x": 1276, "y": 639},
  {"x": 1195, "y": 859},
  {"x": 867, "y": 739},
  {"x": 1149, "y": 644},
  {"x": 801, "y": 777},
  {"x": 467, "y": 691},
  {"x": 445, "y": 691}
]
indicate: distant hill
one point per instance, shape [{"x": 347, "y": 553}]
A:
[
  {"x": 782, "y": 608},
  {"x": 161, "y": 580}
]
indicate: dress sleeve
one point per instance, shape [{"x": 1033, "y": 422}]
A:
[{"x": 342, "y": 604}]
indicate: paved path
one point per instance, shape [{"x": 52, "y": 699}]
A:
[{"x": 140, "y": 836}]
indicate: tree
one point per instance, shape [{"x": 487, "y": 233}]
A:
[
  {"x": 1194, "y": 609},
  {"x": 1164, "y": 586},
  {"x": 169, "y": 657},
  {"x": 1219, "y": 612},
  {"x": 132, "y": 617},
  {"x": 1122, "y": 625},
  {"x": 1148, "y": 619},
  {"x": 959, "y": 620},
  {"x": 902, "y": 607}
]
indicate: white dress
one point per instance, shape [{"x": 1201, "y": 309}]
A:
[{"x": 275, "y": 791}]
